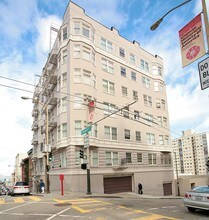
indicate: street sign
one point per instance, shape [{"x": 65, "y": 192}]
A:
[
  {"x": 203, "y": 67},
  {"x": 86, "y": 140},
  {"x": 86, "y": 130}
]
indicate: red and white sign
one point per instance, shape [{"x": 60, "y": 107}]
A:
[
  {"x": 191, "y": 41},
  {"x": 91, "y": 106}
]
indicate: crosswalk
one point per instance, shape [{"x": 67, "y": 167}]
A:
[
  {"x": 91, "y": 206},
  {"x": 10, "y": 200}
]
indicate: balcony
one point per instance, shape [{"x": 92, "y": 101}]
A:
[
  {"x": 52, "y": 125},
  {"x": 34, "y": 126},
  {"x": 35, "y": 113}
]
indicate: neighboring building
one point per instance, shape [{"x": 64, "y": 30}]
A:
[
  {"x": 18, "y": 166},
  {"x": 191, "y": 153},
  {"x": 92, "y": 65}
]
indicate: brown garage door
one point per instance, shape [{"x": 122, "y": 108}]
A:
[
  {"x": 117, "y": 184},
  {"x": 167, "y": 189}
]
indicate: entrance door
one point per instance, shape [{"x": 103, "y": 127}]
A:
[{"x": 167, "y": 189}]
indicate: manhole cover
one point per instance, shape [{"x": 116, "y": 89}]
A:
[{"x": 62, "y": 204}]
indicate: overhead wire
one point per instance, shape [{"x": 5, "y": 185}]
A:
[{"x": 131, "y": 113}]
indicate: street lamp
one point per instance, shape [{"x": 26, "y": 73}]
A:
[
  {"x": 177, "y": 175},
  {"x": 47, "y": 142},
  {"x": 157, "y": 23}
]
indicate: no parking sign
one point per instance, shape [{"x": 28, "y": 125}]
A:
[{"x": 203, "y": 67}]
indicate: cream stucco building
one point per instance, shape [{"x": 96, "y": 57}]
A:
[{"x": 129, "y": 137}]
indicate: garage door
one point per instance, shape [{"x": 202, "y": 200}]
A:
[
  {"x": 117, "y": 184},
  {"x": 167, "y": 189}
]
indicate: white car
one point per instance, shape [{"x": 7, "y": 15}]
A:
[
  {"x": 20, "y": 188},
  {"x": 198, "y": 198}
]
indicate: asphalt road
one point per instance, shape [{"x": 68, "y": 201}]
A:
[{"x": 98, "y": 207}]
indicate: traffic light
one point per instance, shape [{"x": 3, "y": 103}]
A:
[
  {"x": 50, "y": 157},
  {"x": 83, "y": 166},
  {"x": 81, "y": 154}
]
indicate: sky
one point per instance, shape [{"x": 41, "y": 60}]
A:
[{"x": 25, "y": 44}]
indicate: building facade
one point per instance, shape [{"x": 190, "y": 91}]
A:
[
  {"x": 191, "y": 153},
  {"x": 94, "y": 78}
]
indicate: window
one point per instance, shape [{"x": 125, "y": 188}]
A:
[
  {"x": 108, "y": 87},
  {"x": 158, "y": 87},
  {"x": 139, "y": 157},
  {"x": 77, "y": 75},
  {"x": 58, "y": 133},
  {"x": 165, "y": 122},
  {"x": 135, "y": 95},
  {"x": 166, "y": 140},
  {"x": 107, "y": 65},
  {"x": 160, "y": 72},
  {"x": 127, "y": 134},
  {"x": 85, "y": 30},
  {"x": 133, "y": 76},
  {"x": 77, "y": 51},
  {"x": 110, "y": 133},
  {"x": 158, "y": 104},
  {"x": 152, "y": 159},
  {"x": 64, "y": 79},
  {"x": 128, "y": 158},
  {"x": 150, "y": 138},
  {"x": 64, "y": 130},
  {"x": 64, "y": 33},
  {"x": 147, "y": 100},
  {"x": 146, "y": 82},
  {"x": 106, "y": 45},
  {"x": 138, "y": 136},
  {"x": 77, "y": 27},
  {"x": 78, "y": 101},
  {"x": 149, "y": 119},
  {"x": 95, "y": 160},
  {"x": 86, "y": 53},
  {"x": 144, "y": 65},
  {"x": 63, "y": 161},
  {"x": 132, "y": 58},
  {"x": 123, "y": 71},
  {"x": 77, "y": 128},
  {"x": 161, "y": 140},
  {"x": 124, "y": 91},
  {"x": 64, "y": 104},
  {"x": 160, "y": 122},
  {"x": 64, "y": 56},
  {"x": 86, "y": 77},
  {"x": 166, "y": 158},
  {"x": 163, "y": 104},
  {"x": 136, "y": 115},
  {"x": 94, "y": 82},
  {"x": 109, "y": 108},
  {"x": 122, "y": 52},
  {"x": 111, "y": 158}
]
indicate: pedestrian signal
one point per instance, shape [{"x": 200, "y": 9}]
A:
[{"x": 81, "y": 154}]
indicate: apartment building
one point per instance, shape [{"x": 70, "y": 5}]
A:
[
  {"x": 95, "y": 78},
  {"x": 191, "y": 153}
]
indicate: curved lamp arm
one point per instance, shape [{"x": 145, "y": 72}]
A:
[{"x": 157, "y": 23}]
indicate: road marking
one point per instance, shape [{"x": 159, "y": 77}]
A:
[
  {"x": 35, "y": 198},
  {"x": 154, "y": 217},
  {"x": 57, "y": 214},
  {"x": 2, "y": 201},
  {"x": 18, "y": 200},
  {"x": 80, "y": 209}
]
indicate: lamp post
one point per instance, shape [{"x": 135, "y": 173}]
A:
[
  {"x": 157, "y": 23},
  {"x": 204, "y": 10},
  {"x": 46, "y": 175}
]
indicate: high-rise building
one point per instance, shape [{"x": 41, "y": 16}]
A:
[
  {"x": 97, "y": 82},
  {"x": 191, "y": 153}
]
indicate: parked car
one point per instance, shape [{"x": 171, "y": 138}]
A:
[
  {"x": 20, "y": 188},
  {"x": 3, "y": 190},
  {"x": 198, "y": 198}
]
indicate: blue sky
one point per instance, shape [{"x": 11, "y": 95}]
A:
[{"x": 24, "y": 48}]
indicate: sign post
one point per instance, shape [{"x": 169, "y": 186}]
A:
[
  {"x": 203, "y": 67},
  {"x": 61, "y": 180}
]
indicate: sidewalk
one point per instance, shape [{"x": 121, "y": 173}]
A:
[{"x": 68, "y": 194}]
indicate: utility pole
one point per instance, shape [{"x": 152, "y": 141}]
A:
[{"x": 177, "y": 176}]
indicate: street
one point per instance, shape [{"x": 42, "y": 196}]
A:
[{"x": 100, "y": 207}]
